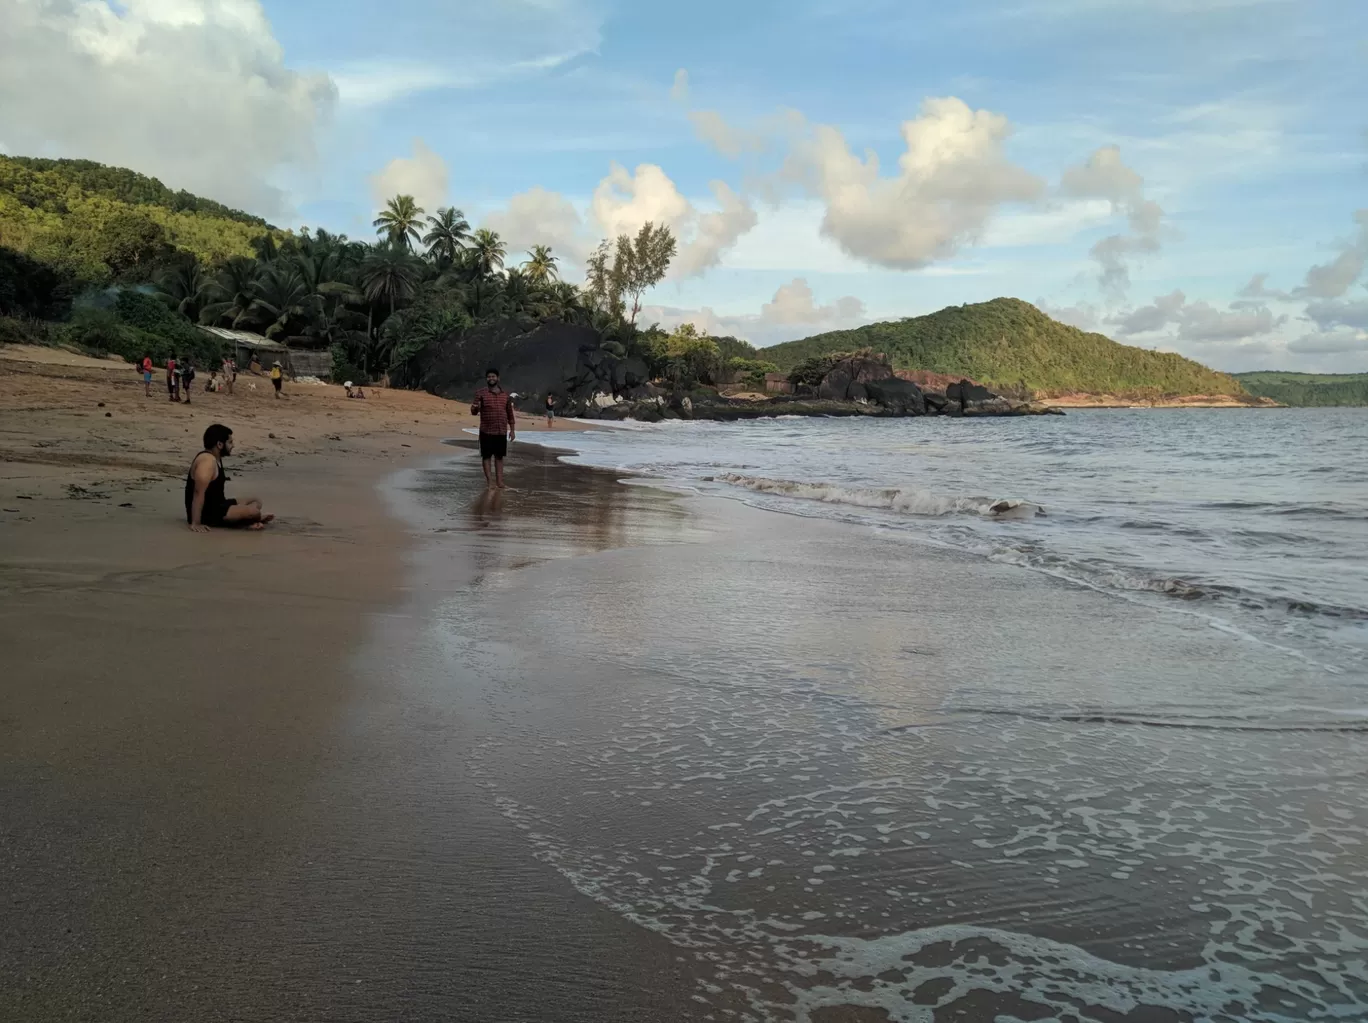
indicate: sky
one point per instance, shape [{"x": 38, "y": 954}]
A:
[{"x": 1185, "y": 175}]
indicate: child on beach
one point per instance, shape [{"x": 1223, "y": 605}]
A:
[
  {"x": 277, "y": 377},
  {"x": 146, "y": 367},
  {"x": 229, "y": 372},
  {"x": 172, "y": 379},
  {"x": 550, "y": 411}
]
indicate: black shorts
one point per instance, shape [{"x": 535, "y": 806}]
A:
[
  {"x": 276, "y": 382},
  {"x": 213, "y": 514},
  {"x": 493, "y": 445}
]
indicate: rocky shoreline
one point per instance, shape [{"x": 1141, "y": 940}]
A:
[{"x": 590, "y": 382}]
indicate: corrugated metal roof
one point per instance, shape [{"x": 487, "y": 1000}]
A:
[{"x": 242, "y": 337}]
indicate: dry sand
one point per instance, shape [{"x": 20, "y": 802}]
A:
[{"x": 168, "y": 695}]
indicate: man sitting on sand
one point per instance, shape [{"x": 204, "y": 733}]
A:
[
  {"x": 494, "y": 406},
  {"x": 205, "y": 503}
]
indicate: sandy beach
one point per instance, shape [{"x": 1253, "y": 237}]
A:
[
  {"x": 185, "y": 822},
  {"x": 587, "y": 751}
]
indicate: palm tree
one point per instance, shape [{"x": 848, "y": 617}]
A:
[
  {"x": 231, "y": 291},
  {"x": 400, "y": 221},
  {"x": 265, "y": 247},
  {"x": 541, "y": 265},
  {"x": 280, "y": 297},
  {"x": 389, "y": 276},
  {"x": 447, "y": 235},
  {"x": 184, "y": 286},
  {"x": 488, "y": 252}
]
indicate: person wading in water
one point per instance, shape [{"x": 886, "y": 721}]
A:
[
  {"x": 206, "y": 505},
  {"x": 494, "y": 406}
]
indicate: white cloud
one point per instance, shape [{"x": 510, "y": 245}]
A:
[
  {"x": 1342, "y": 341},
  {"x": 793, "y": 304},
  {"x": 1105, "y": 176},
  {"x": 793, "y": 312},
  {"x": 375, "y": 83},
  {"x": 716, "y": 232},
  {"x": 1333, "y": 279},
  {"x": 431, "y": 44},
  {"x": 679, "y": 90},
  {"x": 423, "y": 175},
  {"x": 539, "y": 217},
  {"x": 1330, "y": 314},
  {"x": 1059, "y": 224},
  {"x": 952, "y": 178},
  {"x": 1199, "y": 322},
  {"x": 624, "y": 201},
  {"x": 621, "y": 204},
  {"x": 729, "y": 140},
  {"x": 195, "y": 92}
]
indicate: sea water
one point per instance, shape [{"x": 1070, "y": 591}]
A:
[
  {"x": 1256, "y": 519},
  {"x": 922, "y": 720}
]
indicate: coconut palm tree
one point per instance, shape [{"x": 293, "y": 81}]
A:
[
  {"x": 390, "y": 275},
  {"x": 447, "y": 235},
  {"x": 184, "y": 286},
  {"x": 400, "y": 222},
  {"x": 281, "y": 299},
  {"x": 487, "y": 252},
  {"x": 541, "y": 265},
  {"x": 231, "y": 292}
]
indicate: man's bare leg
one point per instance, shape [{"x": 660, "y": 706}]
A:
[
  {"x": 498, "y": 473},
  {"x": 247, "y": 513},
  {"x": 489, "y": 480}
]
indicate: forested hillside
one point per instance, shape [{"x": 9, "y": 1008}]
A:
[
  {"x": 1010, "y": 344},
  {"x": 1308, "y": 389}
]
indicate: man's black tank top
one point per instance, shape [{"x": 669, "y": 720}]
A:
[{"x": 214, "y": 501}]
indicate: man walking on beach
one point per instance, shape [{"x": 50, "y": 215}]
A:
[
  {"x": 494, "y": 406},
  {"x": 172, "y": 379},
  {"x": 206, "y": 505}
]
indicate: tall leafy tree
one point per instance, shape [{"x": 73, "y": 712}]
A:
[
  {"x": 400, "y": 222},
  {"x": 447, "y": 235},
  {"x": 488, "y": 252},
  {"x": 541, "y": 266},
  {"x": 641, "y": 263}
]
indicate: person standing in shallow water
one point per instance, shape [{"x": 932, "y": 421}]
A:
[{"x": 494, "y": 406}]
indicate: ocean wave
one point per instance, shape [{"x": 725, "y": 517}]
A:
[
  {"x": 901, "y": 500},
  {"x": 1195, "y": 722}
]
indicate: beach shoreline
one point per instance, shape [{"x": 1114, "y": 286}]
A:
[{"x": 597, "y": 753}]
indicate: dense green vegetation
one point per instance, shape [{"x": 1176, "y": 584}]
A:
[
  {"x": 115, "y": 261},
  {"x": 1011, "y": 345},
  {"x": 1308, "y": 389}
]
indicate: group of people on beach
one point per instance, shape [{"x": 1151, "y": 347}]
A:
[{"x": 180, "y": 376}]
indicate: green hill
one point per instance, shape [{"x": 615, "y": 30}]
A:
[
  {"x": 93, "y": 225},
  {"x": 1308, "y": 389},
  {"x": 1011, "y": 345}
]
